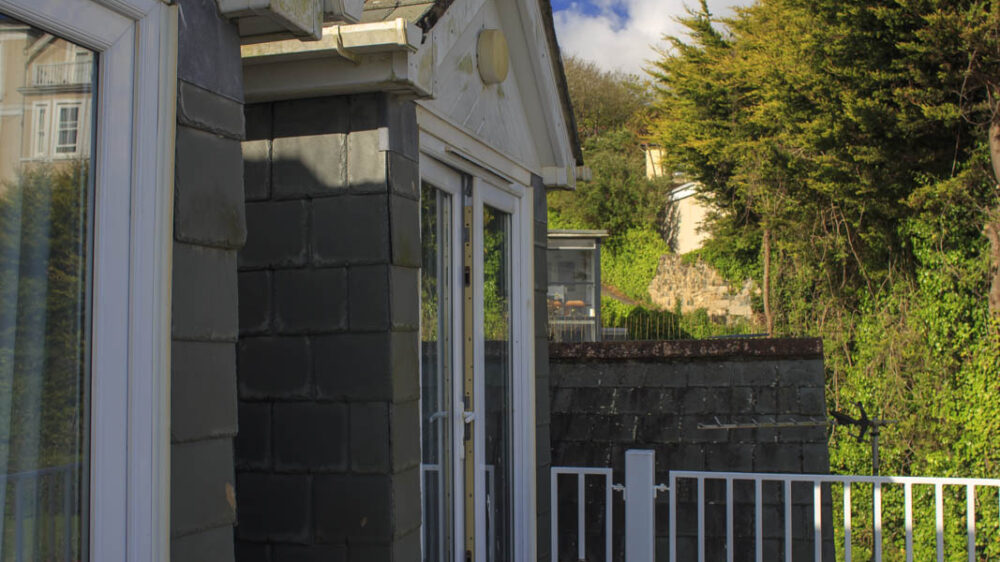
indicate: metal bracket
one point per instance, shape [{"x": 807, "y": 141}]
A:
[{"x": 661, "y": 489}]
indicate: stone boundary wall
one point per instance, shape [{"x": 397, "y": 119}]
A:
[
  {"x": 696, "y": 285},
  {"x": 609, "y": 397}
]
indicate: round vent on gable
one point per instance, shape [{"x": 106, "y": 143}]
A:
[{"x": 494, "y": 58}]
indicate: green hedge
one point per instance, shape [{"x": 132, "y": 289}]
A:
[{"x": 629, "y": 261}]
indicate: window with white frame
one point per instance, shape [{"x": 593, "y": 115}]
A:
[
  {"x": 67, "y": 136},
  {"x": 44, "y": 372},
  {"x": 40, "y": 130},
  {"x": 85, "y": 291}
]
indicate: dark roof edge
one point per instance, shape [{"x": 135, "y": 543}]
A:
[
  {"x": 747, "y": 348},
  {"x": 431, "y": 17},
  {"x": 561, "y": 83}
]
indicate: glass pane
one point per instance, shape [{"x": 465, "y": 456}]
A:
[
  {"x": 436, "y": 371},
  {"x": 497, "y": 392},
  {"x": 572, "y": 294},
  {"x": 44, "y": 294}
]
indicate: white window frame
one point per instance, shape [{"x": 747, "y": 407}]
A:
[
  {"x": 450, "y": 181},
  {"x": 3, "y": 69},
  {"x": 136, "y": 42},
  {"x": 57, "y": 129},
  {"x": 513, "y": 200},
  {"x": 43, "y": 128}
]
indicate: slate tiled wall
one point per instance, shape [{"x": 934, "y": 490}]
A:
[
  {"x": 607, "y": 399},
  {"x": 543, "y": 455},
  {"x": 328, "y": 451},
  {"x": 209, "y": 229}
]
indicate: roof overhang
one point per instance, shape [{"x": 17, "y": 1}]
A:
[
  {"x": 347, "y": 59},
  {"x": 560, "y": 72},
  {"x": 269, "y": 20}
]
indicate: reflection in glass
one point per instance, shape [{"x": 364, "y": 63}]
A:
[
  {"x": 46, "y": 99},
  {"x": 436, "y": 371},
  {"x": 498, "y": 469}
]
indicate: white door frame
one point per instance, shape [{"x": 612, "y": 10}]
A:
[
  {"x": 136, "y": 42},
  {"x": 515, "y": 199},
  {"x": 450, "y": 182}
]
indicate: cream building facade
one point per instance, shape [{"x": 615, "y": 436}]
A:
[{"x": 46, "y": 98}]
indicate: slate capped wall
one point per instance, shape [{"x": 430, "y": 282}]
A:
[
  {"x": 209, "y": 229},
  {"x": 613, "y": 396},
  {"x": 329, "y": 449}
]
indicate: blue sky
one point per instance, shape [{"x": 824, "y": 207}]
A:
[
  {"x": 621, "y": 34},
  {"x": 588, "y": 7}
]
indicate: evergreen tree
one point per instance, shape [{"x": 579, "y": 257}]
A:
[{"x": 848, "y": 150}]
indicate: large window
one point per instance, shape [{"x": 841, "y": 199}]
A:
[
  {"x": 45, "y": 264},
  {"x": 85, "y": 238}
]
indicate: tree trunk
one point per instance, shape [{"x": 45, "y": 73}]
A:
[
  {"x": 768, "y": 312},
  {"x": 992, "y": 228}
]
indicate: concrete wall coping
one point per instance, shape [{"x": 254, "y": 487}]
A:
[{"x": 657, "y": 351}]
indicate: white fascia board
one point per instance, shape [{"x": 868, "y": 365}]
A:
[
  {"x": 377, "y": 37},
  {"x": 555, "y": 177},
  {"x": 532, "y": 64},
  {"x": 356, "y": 39},
  {"x": 565, "y": 176},
  {"x": 349, "y": 59},
  {"x": 300, "y": 18},
  {"x": 330, "y": 76},
  {"x": 451, "y": 143}
]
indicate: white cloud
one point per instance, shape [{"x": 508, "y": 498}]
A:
[{"x": 625, "y": 44}]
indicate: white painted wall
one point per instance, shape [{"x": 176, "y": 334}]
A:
[{"x": 503, "y": 116}]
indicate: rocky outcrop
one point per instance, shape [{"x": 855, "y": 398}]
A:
[{"x": 696, "y": 285}]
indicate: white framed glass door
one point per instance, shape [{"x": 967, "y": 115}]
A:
[
  {"x": 495, "y": 215},
  {"x": 441, "y": 328},
  {"x": 484, "y": 506}
]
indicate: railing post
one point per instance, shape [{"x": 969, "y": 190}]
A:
[
  {"x": 554, "y": 507},
  {"x": 640, "y": 493}
]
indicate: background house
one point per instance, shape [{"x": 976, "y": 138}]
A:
[
  {"x": 692, "y": 285},
  {"x": 45, "y": 98}
]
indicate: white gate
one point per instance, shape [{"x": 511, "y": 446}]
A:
[{"x": 640, "y": 492}]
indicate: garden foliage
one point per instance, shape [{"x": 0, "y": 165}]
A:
[{"x": 845, "y": 148}]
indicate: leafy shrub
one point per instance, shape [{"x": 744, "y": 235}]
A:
[{"x": 629, "y": 261}]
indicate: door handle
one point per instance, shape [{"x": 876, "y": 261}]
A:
[{"x": 468, "y": 417}]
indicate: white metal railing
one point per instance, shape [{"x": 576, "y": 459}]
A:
[
  {"x": 63, "y": 73},
  {"x": 817, "y": 481},
  {"x": 581, "y": 510}
]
